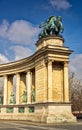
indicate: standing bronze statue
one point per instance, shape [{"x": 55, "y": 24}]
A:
[
  {"x": 53, "y": 25},
  {"x": 24, "y": 97},
  {"x": 33, "y": 94},
  {"x": 12, "y": 98}
]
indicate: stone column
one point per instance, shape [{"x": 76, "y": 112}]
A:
[
  {"x": 45, "y": 78},
  {"x": 5, "y": 90},
  {"x": 66, "y": 86},
  {"x": 17, "y": 87},
  {"x": 49, "y": 80},
  {"x": 10, "y": 87},
  {"x": 28, "y": 86}
]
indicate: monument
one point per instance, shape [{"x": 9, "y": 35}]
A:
[{"x": 41, "y": 79}]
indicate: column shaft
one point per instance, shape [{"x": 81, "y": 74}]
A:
[
  {"x": 49, "y": 80},
  {"x": 17, "y": 88},
  {"x": 29, "y": 87},
  {"x": 9, "y": 87},
  {"x": 66, "y": 86},
  {"x": 5, "y": 90}
]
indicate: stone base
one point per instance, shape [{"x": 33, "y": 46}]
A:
[
  {"x": 61, "y": 119},
  {"x": 49, "y": 119},
  {"x": 56, "y": 113},
  {"x": 48, "y": 112}
]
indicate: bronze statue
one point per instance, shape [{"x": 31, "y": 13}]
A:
[
  {"x": 24, "y": 97},
  {"x": 53, "y": 25},
  {"x": 12, "y": 100},
  {"x": 0, "y": 99},
  {"x": 33, "y": 94}
]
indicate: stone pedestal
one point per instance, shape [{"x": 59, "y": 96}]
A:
[
  {"x": 50, "y": 40},
  {"x": 59, "y": 113},
  {"x": 57, "y": 109},
  {"x": 51, "y": 112}
]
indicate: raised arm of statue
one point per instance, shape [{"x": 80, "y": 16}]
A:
[
  {"x": 41, "y": 25},
  {"x": 53, "y": 25}
]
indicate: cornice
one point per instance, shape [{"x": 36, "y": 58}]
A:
[{"x": 30, "y": 62}]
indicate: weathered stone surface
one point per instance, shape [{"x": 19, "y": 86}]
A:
[
  {"x": 58, "y": 82},
  {"x": 53, "y": 40}
]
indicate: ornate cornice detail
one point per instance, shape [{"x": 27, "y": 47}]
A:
[{"x": 39, "y": 59}]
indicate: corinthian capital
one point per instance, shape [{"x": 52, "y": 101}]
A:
[{"x": 66, "y": 63}]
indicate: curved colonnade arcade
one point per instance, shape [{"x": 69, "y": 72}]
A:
[{"x": 41, "y": 82}]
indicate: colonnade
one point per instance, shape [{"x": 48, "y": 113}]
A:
[{"x": 24, "y": 84}]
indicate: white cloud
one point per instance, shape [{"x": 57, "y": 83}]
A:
[
  {"x": 21, "y": 52},
  {"x": 20, "y": 31},
  {"x": 3, "y": 59},
  {"x": 60, "y": 4},
  {"x": 4, "y": 28},
  {"x": 76, "y": 65}
]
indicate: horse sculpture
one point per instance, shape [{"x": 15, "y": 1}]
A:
[{"x": 53, "y": 25}]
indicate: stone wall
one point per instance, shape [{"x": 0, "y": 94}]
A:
[
  {"x": 41, "y": 82},
  {"x": 22, "y": 87},
  {"x": 57, "y": 82}
]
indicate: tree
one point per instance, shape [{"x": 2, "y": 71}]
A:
[{"x": 75, "y": 92}]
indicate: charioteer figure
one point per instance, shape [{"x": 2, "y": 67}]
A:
[{"x": 53, "y": 25}]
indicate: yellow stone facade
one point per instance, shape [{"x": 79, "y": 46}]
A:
[
  {"x": 22, "y": 86},
  {"x": 45, "y": 72},
  {"x": 9, "y": 88},
  {"x": 57, "y": 82}
]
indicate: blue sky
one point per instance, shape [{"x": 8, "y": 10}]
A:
[{"x": 19, "y": 21}]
